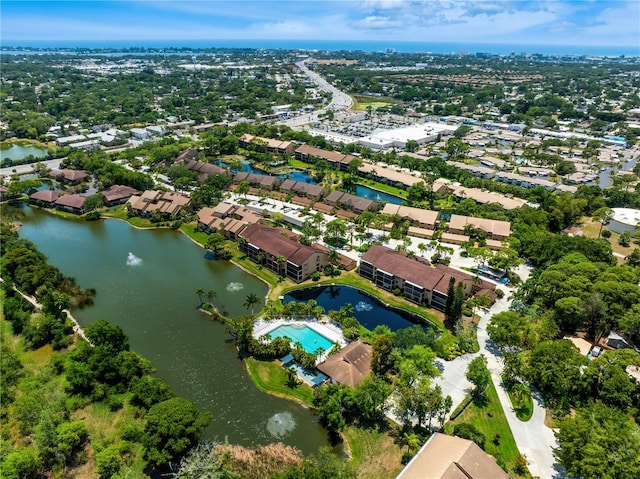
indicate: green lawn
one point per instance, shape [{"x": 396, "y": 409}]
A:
[
  {"x": 191, "y": 231},
  {"x": 121, "y": 213},
  {"x": 489, "y": 418},
  {"x": 523, "y": 403},
  {"x": 270, "y": 377},
  {"x": 375, "y": 185},
  {"x": 361, "y": 102},
  {"x": 374, "y": 453}
]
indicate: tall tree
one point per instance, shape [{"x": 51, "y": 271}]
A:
[
  {"x": 478, "y": 374},
  {"x": 251, "y": 300}
]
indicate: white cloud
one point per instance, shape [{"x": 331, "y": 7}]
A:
[{"x": 376, "y": 22}]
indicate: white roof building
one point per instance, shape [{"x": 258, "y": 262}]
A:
[
  {"x": 398, "y": 137},
  {"x": 624, "y": 219}
]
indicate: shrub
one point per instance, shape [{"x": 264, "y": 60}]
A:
[
  {"x": 606, "y": 234},
  {"x": 108, "y": 462},
  {"x": 499, "y": 293},
  {"x": 469, "y": 431}
]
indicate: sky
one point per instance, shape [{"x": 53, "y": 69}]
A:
[{"x": 534, "y": 22}]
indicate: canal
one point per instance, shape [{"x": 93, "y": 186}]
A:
[{"x": 146, "y": 282}]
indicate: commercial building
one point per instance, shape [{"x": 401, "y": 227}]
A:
[{"x": 399, "y": 137}]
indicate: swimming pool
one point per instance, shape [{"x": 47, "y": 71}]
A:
[{"x": 310, "y": 340}]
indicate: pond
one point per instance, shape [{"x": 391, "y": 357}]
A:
[
  {"x": 146, "y": 282},
  {"x": 369, "y": 311},
  {"x": 301, "y": 175},
  {"x": 18, "y": 152},
  {"x": 375, "y": 195}
]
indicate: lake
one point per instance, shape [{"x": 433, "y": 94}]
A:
[
  {"x": 18, "y": 152},
  {"x": 146, "y": 282},
  {"x": 369, "y": 311}
]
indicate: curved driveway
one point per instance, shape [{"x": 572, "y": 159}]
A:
[{"x": 534, "y": 439}]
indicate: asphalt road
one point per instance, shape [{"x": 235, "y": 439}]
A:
[{"x": 339, "y": 99}]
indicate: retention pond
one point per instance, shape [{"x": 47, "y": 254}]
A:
[{"x": 146, "y": 282}]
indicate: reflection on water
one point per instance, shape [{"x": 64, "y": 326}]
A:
[
  {"x": 156, "y": 305},
  {"x": 369, "y": 311}
]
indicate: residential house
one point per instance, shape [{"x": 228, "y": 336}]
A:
[
  {"x": 139, "y": 133},
  {"x": 418, "y": 281},
  {"x": 118, "y": 195},
  {"x": 417, "y": 216},
  {"x": 315, "y": 192},
  {"x": 350, "y": 365},
  {"x": 465, "y": 225},
  {"x": 72, "y": 203},
  {"x": 352, "y": 202},
  {"x": 267, "y": 144},
  {"x": 310, "y": 154},
  {"x": 44, "y": 198},
  {"x": 163, "y": 203},
  {"x": 451, "y": 457},
  {"x": 260, "y": 181},
  {"x": 281, "y": 252},
  {"x": 615, "y": 341},
  {"x": 226, "y": 218},
  {"x": 68, "y": 176}
]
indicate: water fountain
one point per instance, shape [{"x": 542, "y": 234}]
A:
[
  {"x": 133, "y": 260},
  {"x": 281, "y": 424},
  {"x": 233, "y": 287}
]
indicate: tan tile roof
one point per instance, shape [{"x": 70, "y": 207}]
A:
[
  {"x": 451, "y": 457},
  {"x": 417, "y": 215},
  {"x": 495, "y": 227}
]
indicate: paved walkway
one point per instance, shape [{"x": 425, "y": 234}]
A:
[{"x": 534, "y": 439}]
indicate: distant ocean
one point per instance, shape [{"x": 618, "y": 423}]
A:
[{"x": 337, "y": 45}]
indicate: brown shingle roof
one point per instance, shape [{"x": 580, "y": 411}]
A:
[
  {"x": 118, "y": 192},
  {"x": 72, "y": 201},
  {"x": 46, "y": 196},
  {"x": 350, "y": 365}
]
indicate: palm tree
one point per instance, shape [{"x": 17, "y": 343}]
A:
[
  {"x": 252, "y": 299},
  {"x": 333, "y": 257},
  {"x": 281, "y": 261},
  {"x": 210, "y": 295},
  {"x": 422, "y": 247},
  {"x": 200, "y": 292}
]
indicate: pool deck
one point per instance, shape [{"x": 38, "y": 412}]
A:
[{"x": 329, "y": 330}]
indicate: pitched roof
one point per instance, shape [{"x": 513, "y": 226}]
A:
[
  {"x": 48, "y": 196},
  {"x": 350, "y": 365},
  {"x": 397, "y": 264},
  {"x": 187, "y": 155},
  {"x": 417, "y": 215},
  {"x": 451, "y": 457},
  {"x": 271, "y": 241},
  {"x": 118, "y": 192},
  {"x": 73, "y": 201},
  {"x": 495, "y": 227}
]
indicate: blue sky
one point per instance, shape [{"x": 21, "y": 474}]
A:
[{"x": 542, "y": 22}]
